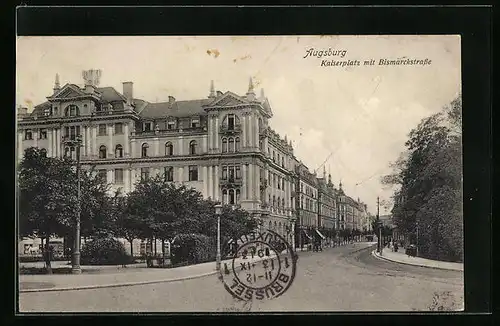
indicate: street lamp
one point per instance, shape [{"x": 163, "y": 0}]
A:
[
  {"x": 218, "y": 212},
  {"x": 76, "y": 143}
]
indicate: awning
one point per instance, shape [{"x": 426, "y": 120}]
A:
[
  {"x": 319, "y": 233},
  {"x": 307, "y": 235}
]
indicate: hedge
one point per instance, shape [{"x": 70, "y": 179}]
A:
[
  {"x": 105, "y": 251},
  {"x": 192, "y": 249}
]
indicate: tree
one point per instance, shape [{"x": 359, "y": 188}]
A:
[
  {"x": 47, "y": 197},
  {"x": 126, "y": 225},
  {"x": 429, "y": 195}
]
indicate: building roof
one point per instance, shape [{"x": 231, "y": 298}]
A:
[
  {"x": 175, "y": 109},
  {"x": 109, "y": 94}
]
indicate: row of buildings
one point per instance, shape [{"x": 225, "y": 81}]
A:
[{"x": 222, "y": 145}]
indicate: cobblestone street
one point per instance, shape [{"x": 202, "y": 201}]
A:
[{"x": 338, "y": 279}]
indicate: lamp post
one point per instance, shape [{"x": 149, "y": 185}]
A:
[
  {"x": 76, "y": 143},
  {"x": 218, "y": 211}
]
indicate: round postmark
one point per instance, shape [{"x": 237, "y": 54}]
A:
[{"x": 263, "y": 266}]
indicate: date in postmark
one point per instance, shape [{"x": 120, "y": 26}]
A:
[{"x": 263, "y": 267}]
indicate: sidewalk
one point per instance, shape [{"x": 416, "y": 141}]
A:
[
  {"x": 402, "y": 258},
  {"x": 121, "y": 277}
]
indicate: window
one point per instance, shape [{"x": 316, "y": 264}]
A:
[
  {"x": 232, "y": 197},
  {"x": 237, "y": 144},
  {"x": 279, "y": 202},
  {"x": 102, "y": 130},
  {"x": 169, "y": 173},
  {"x": 144, "y": 150},
  {"x": 195, "y": 123},
  {"x": 46, "y": 112},
  {"x": 72, "y": 110},
  {"x": 43, "y": 133},
  {"x": 238, "y": 172},
  {"x": 231, "y": 145},
  {"x": 171, "y": 125},
  {"x": 193, "y": 173},
  {"x": 231, "y": 173},
  {"x": 224, "y": 172},
  {"x": 118, "y": 175},
  {"x": 282, "y": 162},
  {"x": 119, "y": 151},
  {"x": 169, "y": 149},
  {"x": 224, "y": 196},
  {"x": 66, "y": 151},
  {"x": 147, "y": 126},
  {"x": 237, "y": 196},
  {"x": 279, "y": 183},
  {"x": 274, "y": 200},
  {"x": 274, "y": 156},
  {"x": 192, "y": 147},
  {"x": 118, "y": 128},
  {"x": 43, "y": 152},
  {"x": 102, "y": 152},
  {"x": 283, "y": 202},
  {"x": 28, "y": 135},
  {"x": 72, "y": 132},
  {"x": 102, "y": 175},
  {"x": 144, "y": 173},
  {"x": 224, "y": 145}
]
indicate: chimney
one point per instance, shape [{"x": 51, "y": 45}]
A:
[
  {"x": 128, "y": 91},
  {"x": 91, "y": 78},
  {"x": 171, "y": 99}
]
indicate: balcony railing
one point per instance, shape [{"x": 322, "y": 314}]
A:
[
  {"x": 231, "y": 181},
  {"x": 167, "y": 131}
]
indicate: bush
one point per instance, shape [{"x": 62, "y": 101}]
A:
[
  {"x": 193, "y": 249},
  {"x": 105, "y": 251}
]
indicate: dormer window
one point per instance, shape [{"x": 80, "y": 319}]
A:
[
  {"x": 147, "y": 126},
  {"x": 170, "y": 125},
  {"x": 195, "y": 123},
  {"x": 46, "y": 112},
  {"x": 72, "y": 111}
]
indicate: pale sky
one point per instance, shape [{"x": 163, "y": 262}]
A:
[{"x": 361, "y": 114}]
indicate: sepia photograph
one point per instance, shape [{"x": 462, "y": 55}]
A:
[{"x": 247, "y": 174}]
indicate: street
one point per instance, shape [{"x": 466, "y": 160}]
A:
[{"x": 336, "y": 279}]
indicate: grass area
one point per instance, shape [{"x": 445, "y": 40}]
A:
[{"x": 55, "y": 270}]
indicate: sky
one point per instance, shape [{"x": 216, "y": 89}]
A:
[{"x": 356, "y": 118}]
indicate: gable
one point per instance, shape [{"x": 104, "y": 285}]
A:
[
  {"x": 228, "y": 99},
  {"x": 68, "y": 91}
]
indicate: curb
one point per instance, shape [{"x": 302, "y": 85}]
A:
[
  {"x": 90, "y": 287},
  {"x": 112, "y": 285},
  {"x": 374, "y": 254}
]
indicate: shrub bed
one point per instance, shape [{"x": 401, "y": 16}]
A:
[
  {"x": 192, "y": 249},
  {"x": 105, "y": 251}
]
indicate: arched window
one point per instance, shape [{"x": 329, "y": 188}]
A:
[
  {"x": 72, "y": 111},
  {"x": 224, "y": 196},
  {"x": 192, "y": 147},
  {"x": 274, "y": 226},
  {"x": 283, "y": 202},
  {"x": 237, "y": 144},
  {"x": 231, "y": 145},
  {"x": 102, "y": 152},
  {"x": 279, "y": 202},
  {"x": 119, "y": 151},
  {"x": 144, "y": 150},
  {"x": 66, "y": 151},
  {"x": 224, "y": 145},
  {"x": 169, "y": 149},
  {"x": 237, "y": 196},
  {"x": 270, "y": 225}
]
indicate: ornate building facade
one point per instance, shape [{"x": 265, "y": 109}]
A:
[{"x": 221, "y": 145}]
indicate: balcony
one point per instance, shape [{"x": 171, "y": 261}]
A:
[
  {"x": 231, "y": 181},
  {"x": 227, "y": 129}
]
